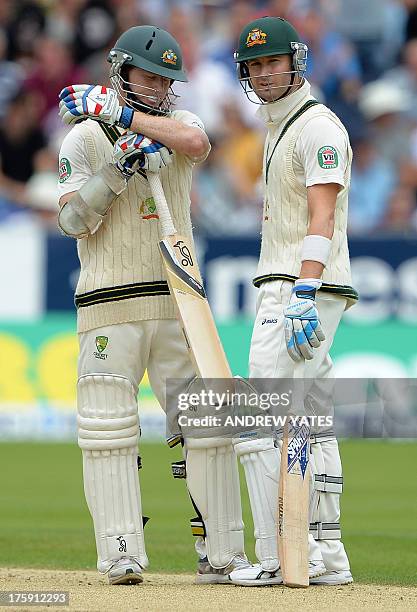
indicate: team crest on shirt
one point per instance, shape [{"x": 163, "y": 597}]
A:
[
  {"x": 327, "y": 157},
  {"x": 255, "y": 37},
  {"x": 169, "y": 57},
  {"x": 101, "y": 344},
  {"x": 147, "y": 209},
  {"x": 65, "y": 169}
]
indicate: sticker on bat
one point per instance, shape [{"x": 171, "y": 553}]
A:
[
  {"x": 298, "y": 438},
  {"x": 186, "y": 259}
]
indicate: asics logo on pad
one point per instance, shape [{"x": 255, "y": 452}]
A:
[{"x": 266, "y": 321}]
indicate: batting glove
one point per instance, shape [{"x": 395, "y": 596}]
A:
[
  {"x": 303, "y": 331},
  {"x": 132, "y": 151},
  {"x": 79, "y": 102}
]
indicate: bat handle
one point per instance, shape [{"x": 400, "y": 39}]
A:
[
  {"x": 298, "y": 392},
  {"x": 165, "y": 219}
]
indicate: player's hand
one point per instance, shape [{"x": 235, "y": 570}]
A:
[
  {"x": 303, "y": 331},
  {"x": 79, "y": 102},
  {"x": 132, "y": 151}
]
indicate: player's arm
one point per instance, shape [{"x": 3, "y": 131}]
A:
[
  {"x": 322, "y": 151},
  {"x": 84, "y": 197},
  {"x": 79, "y": 102},
  {"x": 321, "y": 200},
  {"x": 83, "y": 210},
  {"x": 186, "y": 139}
]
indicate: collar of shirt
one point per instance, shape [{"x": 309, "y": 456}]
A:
[{"x": 275, "y": 113}]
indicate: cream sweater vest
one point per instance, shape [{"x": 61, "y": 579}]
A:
[
  {"x": 122, "y": 277},
  {"x": 285, "y": 214}
]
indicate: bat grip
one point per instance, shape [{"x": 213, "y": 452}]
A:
[
  {"x": 299, "y": 388},
  {"x": 165, "y": 219}
]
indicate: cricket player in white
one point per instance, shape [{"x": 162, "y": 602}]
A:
[
  {"x": 304, "y": 283},
  {"x": 126, "y": 317}
]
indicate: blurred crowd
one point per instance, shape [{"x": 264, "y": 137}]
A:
[{"x": 362, "y": 64}]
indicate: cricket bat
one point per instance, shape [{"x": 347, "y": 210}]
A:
[
  {"x": 293, "y": 498},
  {"x": 189, "y": 296}
]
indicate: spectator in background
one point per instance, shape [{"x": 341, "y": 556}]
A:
[
  {"x": 375, "y": 28},
  {"x": 372, "y": 183},
  {"x": 62, "y": 20},
  {"x": 333, "y": 65},
  {"x": 53, "y": 69},
  {"x": 26, "y": 25},
  {"x": 11, "y": 76},
  {"x": 130, "y": 13},
  {"x": 401, "y": 215},
  {"x": 239, "y": 13},
  {"x": 229, "y": 200},
  {"x": 210, "y": 82},
  {"x": 20, "y": 140},
  {"x": 240, "y": 153},
  {"x": 6, "y": 11},
  {"x": 383, "y": 105},
  {"x": 405, "y": 76},
  {"x": 411, "y": 18},
  {"x": 96, "y": 28}
]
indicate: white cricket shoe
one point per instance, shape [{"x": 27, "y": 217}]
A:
[
  {"x": 316, "y": 568},
  {"x": 207, "y": 574},
  {"x": 125, "y": 571},
  {"x": 256, "y": 576},
  {"x": 333, "y": 578}
]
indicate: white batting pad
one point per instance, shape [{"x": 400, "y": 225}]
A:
[
  {"x": 261, "y": 461},
  {"x": 213, "y": 482},
  {"x": 108, "y": 433},
  {"x": 325, "y": 503}
]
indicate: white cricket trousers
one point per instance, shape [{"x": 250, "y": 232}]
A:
[
  {"x": 269, "y": 359},
  {"x": 131, "y": 348}
]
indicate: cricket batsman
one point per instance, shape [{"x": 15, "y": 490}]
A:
[
  {"x": 126, "y": 317},
  {"x": 304, "y": 283}
]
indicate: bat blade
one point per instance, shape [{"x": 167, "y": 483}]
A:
[
  {"x": 293, "y": 505},
  {"x": 193, "y": 309}
]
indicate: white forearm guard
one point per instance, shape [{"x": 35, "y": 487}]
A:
[{"x": 85, "y": 211}]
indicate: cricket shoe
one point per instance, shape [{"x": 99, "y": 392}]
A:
[
  {"x": 315, "y": 569},
  {"x": 125, "y": 571},
  {"x": 334, "y": 577},
  {"x": 256, "y": 576},
  {"x": 207, "y": 574}
]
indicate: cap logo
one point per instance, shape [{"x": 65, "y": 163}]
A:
[
  {"x": 255, "y": 37},
  {"x": 169, "y": 57}
]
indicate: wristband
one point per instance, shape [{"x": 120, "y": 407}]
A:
[
  {"x": 316, "y": 248},
  {"x": 126, "y": 117}
]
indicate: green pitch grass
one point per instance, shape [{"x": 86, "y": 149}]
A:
[{"x": 44, "y": 521}]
